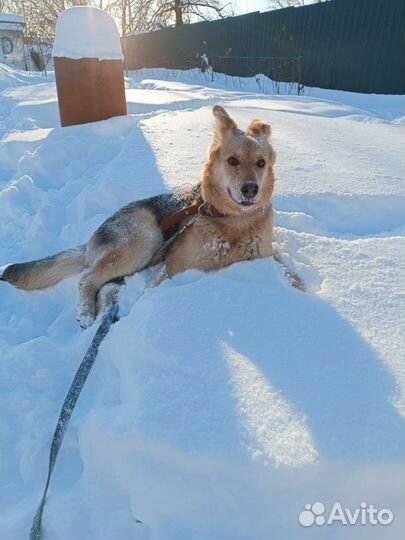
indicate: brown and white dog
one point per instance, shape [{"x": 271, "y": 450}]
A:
[{"x": 237, "y": 181}]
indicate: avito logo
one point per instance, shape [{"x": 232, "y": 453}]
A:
[{"x": 366, "y": 514}]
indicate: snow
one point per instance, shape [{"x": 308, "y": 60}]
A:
[
  {"x": 86, "y": 32},
  {"x": 221, "y": 403},
  {"x": 11, "y": 18}
]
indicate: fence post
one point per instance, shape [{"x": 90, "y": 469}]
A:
[{"x": 89, "y": 69}]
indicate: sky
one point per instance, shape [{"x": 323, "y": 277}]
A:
[{"x": 246, "y": 6}]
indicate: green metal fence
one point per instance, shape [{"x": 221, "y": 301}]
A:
[{"x": 355, "y": 45}]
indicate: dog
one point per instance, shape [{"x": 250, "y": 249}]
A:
[{"x": 237, "y": 184}]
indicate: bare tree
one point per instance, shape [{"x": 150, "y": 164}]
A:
[
  {"x": 40, "y": 16},
  {"x": 6, "y": 6},
  {"x": 131, "y": 15},
  {"x": 147, "y": 14},
  {"x": 182, "y": 11}
]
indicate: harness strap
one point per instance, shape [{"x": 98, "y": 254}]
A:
[
  {"x": 157, "y": 256},
  {"x": 68, "y": 406},
  {"x": 198, "y": 207}
]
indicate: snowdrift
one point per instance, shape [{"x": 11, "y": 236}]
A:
[{"x": 221, "y": 403}]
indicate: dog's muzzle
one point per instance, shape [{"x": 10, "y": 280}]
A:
[{"x": 248, "y": 197}]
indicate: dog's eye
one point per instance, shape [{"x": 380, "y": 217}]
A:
[
  {"x": 261, "y": 163},
  {"x": 233, "y": 161}
]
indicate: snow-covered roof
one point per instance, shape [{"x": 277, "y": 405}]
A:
[
  {"x": 10, "y": 17},
  {"x": 87, "y": 32},
  {"x": 9, "y": 21}
]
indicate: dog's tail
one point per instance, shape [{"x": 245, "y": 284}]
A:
[{"x": 45, "y": 272}]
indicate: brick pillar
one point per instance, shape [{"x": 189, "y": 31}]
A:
[{"x": 89, "y": 69}]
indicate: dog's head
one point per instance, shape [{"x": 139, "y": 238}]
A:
[{"x": 238, "y": 176}]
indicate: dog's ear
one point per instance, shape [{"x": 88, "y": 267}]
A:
[
  {"x": 223, "y": 122},
  {"x": 258, "y": 128}
]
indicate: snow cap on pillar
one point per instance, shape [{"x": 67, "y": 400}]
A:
[{"x": 87, "y": 32}]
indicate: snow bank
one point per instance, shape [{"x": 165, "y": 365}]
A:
[
  {"x": 210, "y": 410},
  {"x": 10, "y": 77},
  {"x": 87, "y": 32},
  {"x": 221, "y": 403},
  {"x": 367, "y": 107}
]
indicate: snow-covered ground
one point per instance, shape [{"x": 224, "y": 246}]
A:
[{"x": 221, "y": 403}]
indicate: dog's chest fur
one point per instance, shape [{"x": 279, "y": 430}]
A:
[
  {"x": 224, "y": 242},
  {"x": 213, "y": 243}
]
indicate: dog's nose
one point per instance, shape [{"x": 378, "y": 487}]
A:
[{"x": 249, "y": 189}]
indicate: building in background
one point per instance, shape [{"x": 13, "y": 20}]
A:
[{"x": 12, "y": 40}]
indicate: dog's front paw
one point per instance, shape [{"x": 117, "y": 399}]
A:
[{"x": 84, "y": 316}]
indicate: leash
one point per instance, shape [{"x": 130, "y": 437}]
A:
[
  {"x": 84, "y": 369},
  {"x": 167, "y": 243},
  {"x": 67, "y": 409}
]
